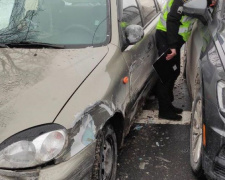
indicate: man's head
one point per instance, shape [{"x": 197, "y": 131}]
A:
[{"x": 211, "y": 3}]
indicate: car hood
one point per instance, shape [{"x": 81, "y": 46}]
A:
[{"x": 36, "y": 83}]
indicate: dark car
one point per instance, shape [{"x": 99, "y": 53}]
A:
[{"x": 205, "y": 75}]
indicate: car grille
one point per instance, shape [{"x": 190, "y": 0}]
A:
[
  {"x": 219, "y": 170},
  {"x": 222, "y": 153},
  {"x": 219, "y": 166}
]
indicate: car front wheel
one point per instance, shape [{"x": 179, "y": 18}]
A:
[
  {"x": 196, "y": 137},
  {"x": 105, "y": 164}
]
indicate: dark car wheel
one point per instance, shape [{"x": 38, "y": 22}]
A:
[
  {"x": 105, "y": 164},
  {"x": 196, "y": 137}
]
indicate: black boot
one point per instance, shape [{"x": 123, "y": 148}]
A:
[
  {"x": 176, "y": 110},
  {"x": 170, "y": 115},
  {"x": 165, "y": 105}
]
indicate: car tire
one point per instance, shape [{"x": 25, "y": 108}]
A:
[
  {"x": 196, "y": 147},
  {"x": 105, "y": 163}
]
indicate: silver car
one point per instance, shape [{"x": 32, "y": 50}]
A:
[{"x": 73, "y": 74}]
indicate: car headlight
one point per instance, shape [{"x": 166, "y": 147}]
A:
[
  {"x": 221, "y": 95},
  {"x": 29, "y": 152}
]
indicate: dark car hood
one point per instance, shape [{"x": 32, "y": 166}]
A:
[{"x": 36, "y": 83}]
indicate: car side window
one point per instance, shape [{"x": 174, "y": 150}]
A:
[
  {"x": 148, "y": 8},
  {"x": 131, "y": 13}
]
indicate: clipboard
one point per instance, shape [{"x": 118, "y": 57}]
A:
[{"x": 165, "y": 69}]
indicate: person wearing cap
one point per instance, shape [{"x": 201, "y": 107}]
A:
[{"x": 172, "y": 31}]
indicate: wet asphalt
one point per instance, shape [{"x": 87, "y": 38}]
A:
[
  {"x": 156, "y": 152},
  {"x": 156, "y": 149}
]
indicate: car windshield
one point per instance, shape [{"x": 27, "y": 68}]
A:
[{"x": 58, "y": 22}]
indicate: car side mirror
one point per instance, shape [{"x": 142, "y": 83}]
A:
[
  {"x": 197, "y": 9},
  {"x": 134, "y": 33}
]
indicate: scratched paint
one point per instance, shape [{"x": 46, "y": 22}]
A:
[
  {"x": 87, "y": 128},
  {"x": 107, "y": 109},
  {"x": 85, "y": 136}
]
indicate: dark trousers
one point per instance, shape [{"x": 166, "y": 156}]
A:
[{"x": 164, "y": 91}]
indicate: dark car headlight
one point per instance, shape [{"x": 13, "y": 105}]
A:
[
  {"x": 221, "y": 95},
  {"x": 40, "y": 147}
]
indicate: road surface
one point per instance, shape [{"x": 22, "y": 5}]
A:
[{"x": 158, "y": 149}]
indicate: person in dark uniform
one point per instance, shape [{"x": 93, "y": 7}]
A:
[{"x": 172, "y": 31}]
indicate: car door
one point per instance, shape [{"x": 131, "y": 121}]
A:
[{"x": 140, "y": 57}]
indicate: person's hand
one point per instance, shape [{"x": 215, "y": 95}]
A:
[{"x": 172, "y": 54}]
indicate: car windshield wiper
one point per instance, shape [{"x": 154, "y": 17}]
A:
[{"x": 35, "y": 44}]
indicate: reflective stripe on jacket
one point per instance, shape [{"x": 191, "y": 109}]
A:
[{"x": 186, "y": 22}]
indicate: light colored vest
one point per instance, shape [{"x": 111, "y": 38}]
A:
[{"x": 186, "y": 22}]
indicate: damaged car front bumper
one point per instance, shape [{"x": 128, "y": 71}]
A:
[{"x": 77, "y": 167}]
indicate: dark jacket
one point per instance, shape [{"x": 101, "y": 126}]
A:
[{"x": 173, "y": 23}]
